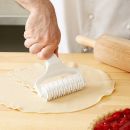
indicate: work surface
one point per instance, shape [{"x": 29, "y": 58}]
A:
[{"x": 15, "y": 120}]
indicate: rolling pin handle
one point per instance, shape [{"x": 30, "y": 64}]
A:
[{"x": 85, "y": 41}]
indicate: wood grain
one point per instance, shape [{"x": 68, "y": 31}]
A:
[
  {"x": 15, "y": 120},
  {"x": 114, "y": 51}
]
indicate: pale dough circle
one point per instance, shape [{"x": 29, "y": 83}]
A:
[{"x": 16, "y": 91}]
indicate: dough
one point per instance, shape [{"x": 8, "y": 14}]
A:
[{"x": 16, "y": 91}]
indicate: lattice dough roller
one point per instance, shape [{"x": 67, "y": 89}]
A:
[{"x": 68, "y": 80}]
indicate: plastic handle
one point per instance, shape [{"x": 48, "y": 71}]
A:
[
  {"x": 85, "y": 41},
  {"x": 53, "y": 60}
]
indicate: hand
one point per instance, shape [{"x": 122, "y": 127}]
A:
[{"x": 41, "y": 31}]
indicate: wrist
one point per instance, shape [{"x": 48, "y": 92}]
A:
[
  {"x": 33, "y": 5},
  {"x": 43, "y": 5}
]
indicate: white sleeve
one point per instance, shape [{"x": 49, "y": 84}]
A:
[{"x": 92, "y": 18}]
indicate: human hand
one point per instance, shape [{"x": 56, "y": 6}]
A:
[{"x": 42, "y": 33}]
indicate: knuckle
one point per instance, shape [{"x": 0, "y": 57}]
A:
[
  {"x": 43, "y": 56},
  {"x": 26, "y": 44},
  {"x": 27, "y": 35},
  {"x": 32, "y": 50}
]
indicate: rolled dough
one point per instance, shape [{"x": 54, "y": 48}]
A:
[{"x": 16, "y": 91}]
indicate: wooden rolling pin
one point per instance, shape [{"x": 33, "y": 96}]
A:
[{"x": 113, "y": 51}]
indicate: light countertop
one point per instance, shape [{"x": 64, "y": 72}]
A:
[{"x": 15, "y": 120}]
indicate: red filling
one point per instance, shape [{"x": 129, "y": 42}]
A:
[{"x": 117, "y": 121}]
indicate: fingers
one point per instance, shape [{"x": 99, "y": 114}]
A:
[
  {"x": 42, "y": 51},
  {"x": 35, "y": 48},
  {"x": 27, "y": 35},
  {"x": 29, "y": 42},
  {"x": 47, "y": 52}
]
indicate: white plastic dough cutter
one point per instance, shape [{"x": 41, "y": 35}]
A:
[{"x": 51, "y": 89}]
